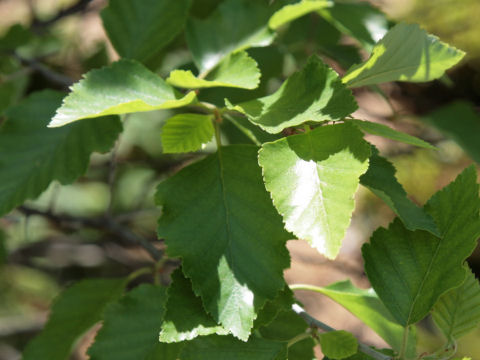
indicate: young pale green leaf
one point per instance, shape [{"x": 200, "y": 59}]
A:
[
  {"x": 338, "y": 344},
  {"x": 237, "y": 70},
  {"x": 366, "y": 305},
  {"x": 186, "y": 132},
  {"x": 457, "y": 312},
  {"x": 406, "y": 53},
  {"x": 32, "y": 155},
  {"x": 124, "y": 87},
  {"x": 411, "y": 270},
  {"x": 216, "y": 347},
  {"x": 185, "y": 318},
  {"x": 286, "y": 325},
  {"x": 361, "y": 21},
  {"x": 374, "y": 128},
  {"x": 74, "y": 311},
  {"x": 293, "y": 11},
  {"x": 224, "y": 237},
  {"x": 235, "y": 25},
  {"x": 312, "y": 179},
  {"x": 460, "y": 122},
  {"x": 140, "y": 29},
  {"x": 380, "y": 179},
  {"x": 313, "y": 94},
  {"x": 130, "y": 328}
]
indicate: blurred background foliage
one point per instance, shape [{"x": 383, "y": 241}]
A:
[{"x": 39, "y": 255}]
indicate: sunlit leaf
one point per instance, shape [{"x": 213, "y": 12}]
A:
[
  {"x": 293, "y": 11},
  {"x": 186, "y": 132}
]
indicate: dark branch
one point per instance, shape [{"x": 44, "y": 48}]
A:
[{"x": 40, "y": 25}]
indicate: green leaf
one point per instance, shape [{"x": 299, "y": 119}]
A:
[
  {"x": 216, "y": 347},
  {"x": 74, "y": 311},
  {"x": 224, "y": 237},
  {"x": 293, "y": 11},
  {"x": 313, "y": 94},
  {"x": 186, "y": 132},
  {"x": 312, "y": 179},
  {"x": 185, "y": 317},
  {"x": 411, "y": 270},
  {"x": 338, "y": 344},
  {"x": 283, "y": 301},
  {"x": 235, "y": 25},
  {"x": 124, "y": 87},
  {"x": 131, "y": 325},
  {"x": 361, "y": 21},
  {"x": 457, "y": 312},
  {"x": 285, "y": 326},
  {"x": 380, "y": 179},
  {"x": 17, "y": 35},
  {"x": 461, "y": 122},
  {"x": 32, "y": 155},
  {"x": 237, "y": 70},
  {"x": 365, "y": 305},
  {"x": 3, "y": 249},
  {"x": 140, "y": 29},
  {"x": 406, "y": 53},
  {"x": 374, "y": 128}
]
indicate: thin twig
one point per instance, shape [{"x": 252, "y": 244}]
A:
[
  {"x": 109, "y": 225},
  {"x": 48, "y": 73},
  {"x": 314, "y": 323},
  {"x": 40, "y": 25}
]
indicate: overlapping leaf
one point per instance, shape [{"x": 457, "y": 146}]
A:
[
  {"x": 73, "y": 312},
  {"x": 313, "y": 94},
  {"x": 286, "y": 325},
  {"x": 185, "y": 317},
  {"x": 460, "y": 122},
  {"x": 366, "y": 306},
  {"x": 406, "y": 53},
  {"x": 312, "y": 179},
  {"x": 125, "y": 86},
  {"x": 186, "y": 132},
  {"x": 224, "y": 237},
  {"x": 32, "y": 156},
  {"x": 380, "y": 179},
  {"x": 360, "y": 20},
  {"x": 236, "y": 70},
  {"x": 338, "y": 344},
  {"x": 293, "y": 11},
  {"x": 282, "y": 302},
  {"x": 411, "y": 270},
  {"x": 234, "y": 26},
  {"x": 389, "y": 133},
  {"x": 130, "y": 328},
  {"x": 140, "y": 29},
  {"x": 216, "y": 347},
  {"x": 457, "y": 312}
]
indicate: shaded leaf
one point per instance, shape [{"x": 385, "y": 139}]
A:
[
  {"x": 365, "y": 305},
  {"x": 17, "y": 35},
  {"x": 3, "y": 248},
  {"x": 186, "y": 132},
  {"x": 140, "y": 29},
  {"x": 338, "y": 344},
  {"x": 293, "y": 11},
  {"x": 130, "y": 328},
  {"x": 286, "y": 325},
  {"x": 235, "y": 25},
  {"x": 361, "y": 21},
  {"x": 232, "y": 225},
  {"x": 406, "y": 53},
  {"x": 216, "y": 347},
  {"x": 314, "y": 93},
  {"x": 185, "y": 318},
  {"x": 461, "y": 122},
  {"x": 283, "y": 301},
  {"x": 380, "y": 179},
  {"x": 74, "y": 311},
  {"x": 32, "y": 155},
  {"x": 236, "y": 70},
  {"x": 457, "y": 312},
  {"x": 312, "y": 179},
  {"x": 374, "y": 128},
  {"x": 411, "y": 270},
  {"x": 124, "y": 87}
]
